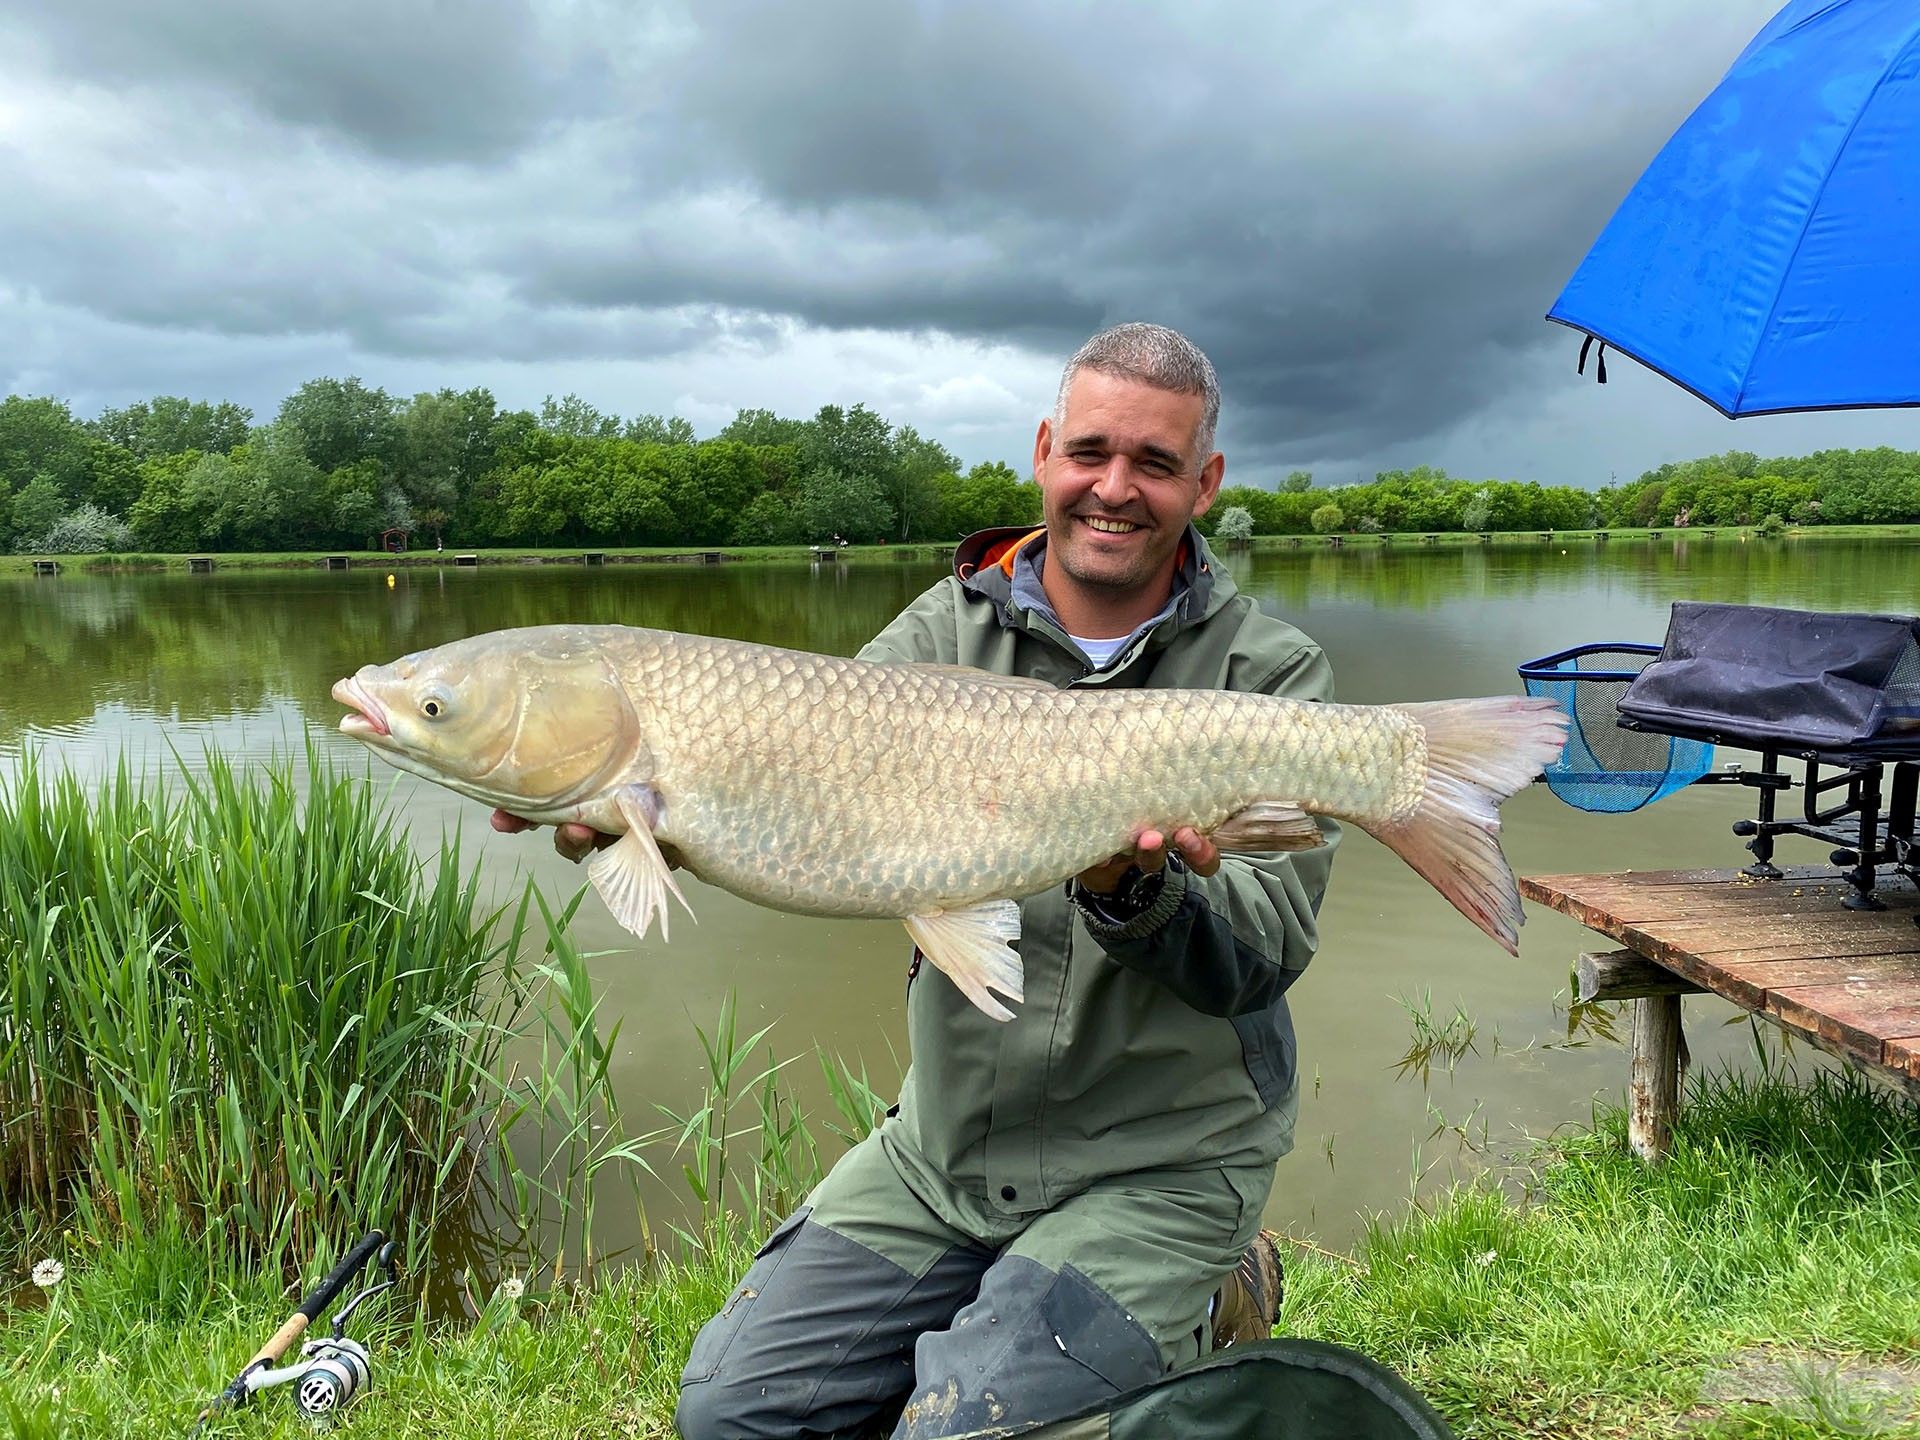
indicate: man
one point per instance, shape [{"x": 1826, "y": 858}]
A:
[{"x": 1048, "y": 1215}]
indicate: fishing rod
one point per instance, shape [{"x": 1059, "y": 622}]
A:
[{"x": 330, "y": 1371}]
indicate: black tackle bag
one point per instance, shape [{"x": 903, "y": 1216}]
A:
[
  {"x": 1792, "y": 680},
  {"x": 1270, "y": 1390}
]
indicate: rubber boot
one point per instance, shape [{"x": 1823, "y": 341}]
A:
[{"x": 1249, "y": 1297}]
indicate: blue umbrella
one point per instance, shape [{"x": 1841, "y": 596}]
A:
[{"x": 1769, "y": 259}]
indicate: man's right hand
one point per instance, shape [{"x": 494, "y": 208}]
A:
[{"x": 576, "y": 842}]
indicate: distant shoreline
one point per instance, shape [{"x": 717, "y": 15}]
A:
[{"x": 919, "y": 550}]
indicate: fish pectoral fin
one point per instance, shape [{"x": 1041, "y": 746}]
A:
[
  {"x": 632, "y": 876},
  {"x": 969, "y": 946},
  {"x": 1268, "y": 825}
]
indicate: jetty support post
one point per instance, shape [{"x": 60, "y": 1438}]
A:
[{"x": 1659, "y": 1043}]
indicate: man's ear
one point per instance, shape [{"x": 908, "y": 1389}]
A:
[
  {"x": 1042, "y": 447},
  {"x": 1210, "y": 476}
]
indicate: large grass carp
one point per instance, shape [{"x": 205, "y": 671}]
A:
[{"x": 932, "y": 794}]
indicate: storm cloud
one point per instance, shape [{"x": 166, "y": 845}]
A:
[{"x": 1361, "y": 212}]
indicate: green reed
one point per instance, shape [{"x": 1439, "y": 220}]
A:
[{"x": 238, "y": 1008}]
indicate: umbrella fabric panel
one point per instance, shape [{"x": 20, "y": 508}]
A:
[{"x": 1768, "y": 259}]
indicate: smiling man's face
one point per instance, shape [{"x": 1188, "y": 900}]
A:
[{"x": 1119, "y": 480}]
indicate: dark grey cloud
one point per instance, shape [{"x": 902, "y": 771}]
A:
[
  {"x": 408, "y": 81},
  {"x": 1361, "y": 211}
]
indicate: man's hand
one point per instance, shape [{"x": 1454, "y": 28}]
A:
[
  {"x": 1150, "y": 854},
  {"x": 576, "y": 842}
]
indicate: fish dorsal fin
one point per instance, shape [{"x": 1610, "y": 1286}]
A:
[
  {"x": 977, "y": 677},
  {"x": 632, "y": 876},
  {"x": 1268, "y": 825}
]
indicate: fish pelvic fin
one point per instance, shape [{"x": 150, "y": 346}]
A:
[
  {"x": 969, "y": 946},
  {"x": 1479, "y": 752},
  {"x": 632, "y": 876},
  {"x": 1266, "y": 826}
]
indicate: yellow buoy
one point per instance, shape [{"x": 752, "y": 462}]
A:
[{"x": 389, "y": 582}]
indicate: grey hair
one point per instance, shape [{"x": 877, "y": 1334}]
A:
[{"x": 1153, "y": 355}]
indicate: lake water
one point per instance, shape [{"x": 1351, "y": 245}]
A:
[{"x": 91, "y": 667}]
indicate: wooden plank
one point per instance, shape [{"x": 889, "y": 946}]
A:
[
  {"x": 1624, "y": 975},
  {"x": 1750, "y": 984},
  {"x": 1857, "y": 1018}
]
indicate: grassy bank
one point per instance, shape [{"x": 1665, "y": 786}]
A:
[
  {"x": 1776, "y": 1254},
  {"x": 643, "y": 555}
]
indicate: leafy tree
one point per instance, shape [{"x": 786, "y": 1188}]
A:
[
  {"x": 659, "y": 430},
  {"x": 992, "y": 494},
  {"x": 173, "y": 425},
  {"x": 849, "y": 506},
  {"x": 36, "y": 506},
  {"x": 448, "y": 440},
  {"x": 577, "y": 419},
  {"x": 341, "y": 422},
  {"x": 114, "y": 476},
  {"x": 912, "y": 480},
  {"x": 769, "y": 519},
  {"x": 1475, "y": 514},
  {"x": 1235, "y": 524},
  {"x": 86, "y": 530},
  {"x": 1329, "y": 519},
  {"x": 763, "y": 427},
  {"x": 39, "y": 438},
  {"x": 166, "y": 516},
  {"x": 1297, "y": 482},
  {"x": 855, "y": 441}
]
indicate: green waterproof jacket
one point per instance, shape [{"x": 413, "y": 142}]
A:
[{"x": 1163, "y": 1042}]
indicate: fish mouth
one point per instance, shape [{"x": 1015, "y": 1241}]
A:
[{"x": 369, "y": 718}]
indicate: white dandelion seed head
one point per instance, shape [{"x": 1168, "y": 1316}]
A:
[
  {"x": 1489, "y": 1257},
  {"x": 49, "y": 1273},
  {"x": 512, "y": 1288}
]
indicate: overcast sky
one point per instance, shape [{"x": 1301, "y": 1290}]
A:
[{"x": 1361, "y": 211}]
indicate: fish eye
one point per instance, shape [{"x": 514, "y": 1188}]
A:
[{"x": 434, "y": 705}]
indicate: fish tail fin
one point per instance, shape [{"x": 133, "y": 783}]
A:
[{"x": 1479, "y": 752}]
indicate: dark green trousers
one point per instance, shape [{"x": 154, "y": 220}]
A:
[{"x": 882, "y": 1298}]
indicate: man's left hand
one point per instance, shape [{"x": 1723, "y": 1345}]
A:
[{"x": 1149, "y": 853}]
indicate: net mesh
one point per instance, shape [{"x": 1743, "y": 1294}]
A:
[{"x": 1605, "y": 768}]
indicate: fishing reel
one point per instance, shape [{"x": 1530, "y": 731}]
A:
[
  {"x": 331, "y": 1371},
  {"x": 328, "y": 1375}
]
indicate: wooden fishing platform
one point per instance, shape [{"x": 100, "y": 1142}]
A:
[{"x": 1846, "y": 981}]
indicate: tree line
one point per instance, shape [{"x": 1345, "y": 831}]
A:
[{"x": 342, "y": 463}]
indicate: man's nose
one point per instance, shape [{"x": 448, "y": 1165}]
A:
[{"x": 1115, "y": 485}]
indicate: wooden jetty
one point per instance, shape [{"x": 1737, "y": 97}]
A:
[
  {"x": 1845, "y": 981},
  {"x": 199, "y": 564},
  {"x": 828, "y": 554},
  {"x": 594, "y": 557},
  {"x": 46, "y": 567},
  {"x": 336, "y": 562},
  {"x": 466, "y": 559}
]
